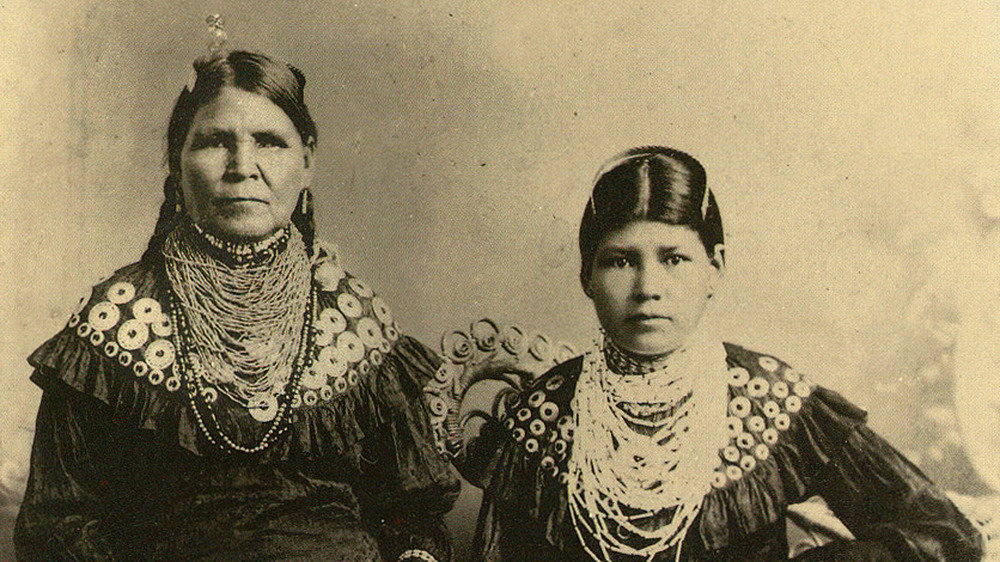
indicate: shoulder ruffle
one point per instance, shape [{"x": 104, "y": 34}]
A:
[
  {"x": 86, "y": 355},
  {"x": 534, "y": 442},
  {"x": 781, "y": 428},
  {"x": 540, "y": 420},
  {"x": 362, "y": 374},
  {"x": 387, "y": 401}
]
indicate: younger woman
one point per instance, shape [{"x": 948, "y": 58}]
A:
[{"x": 663, "y": 443}]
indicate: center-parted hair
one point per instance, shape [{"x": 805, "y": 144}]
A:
[
  {"x": 654, "y": 184},
  {"x": 282, "y": 84}
]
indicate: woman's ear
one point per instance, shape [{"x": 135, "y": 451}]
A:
[
  {"x": 718, "y": 261},
  {"x": 307, "y": 164},
  {"x": 718, "y": 258}
]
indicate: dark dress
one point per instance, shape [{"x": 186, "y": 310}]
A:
[
  {"x": 121, "y": 471},
  {"x": 803, "y": 441}
]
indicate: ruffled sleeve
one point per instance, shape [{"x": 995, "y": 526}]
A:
[
  {"x": 405, "y": 485},
  {"x": 66, "y": 496},
  {"x": 878, "y": 494},
  {"x": 814, "y": 442},
  {"x": 87, "y": 360},
  {"x": 364, "y": 425},
  {"x": 517, "y": 515},
  {"x": 788, "y": 441}
]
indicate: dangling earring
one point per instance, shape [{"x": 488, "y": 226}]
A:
[
  {"x": 302, "y": 218},
  {"x": 305, "y": 202},
  {"x": 719, "y": 262},
  {"x": 176, "y": 194}
]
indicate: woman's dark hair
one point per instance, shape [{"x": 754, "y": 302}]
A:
[
  {"x": 648, "y": 183},
  {"x": 282, "y": 84}
]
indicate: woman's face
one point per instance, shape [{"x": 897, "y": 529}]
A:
[
  {"x": 650, "y": 284},
  {"x": 242, "y": 166}
]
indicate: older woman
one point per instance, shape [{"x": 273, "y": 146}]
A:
[
  {"x": 661, "y": 442},
  {"x": 235, "y": 394}
]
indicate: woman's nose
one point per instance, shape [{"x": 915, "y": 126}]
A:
[
  {"x": 650, "y": 283},
  {"x": 243, "y": 161}
]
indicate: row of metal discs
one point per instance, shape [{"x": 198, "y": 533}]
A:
[
  {"x": 751, "y": 435},
  {"x": 147, "y": 320}
]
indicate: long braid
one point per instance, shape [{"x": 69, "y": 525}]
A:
[
  {"x": 170, "y": 213},
  {"x": 302, "y": 218}
]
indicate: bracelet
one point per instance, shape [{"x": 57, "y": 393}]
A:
[{"x": 417, "y": 554}]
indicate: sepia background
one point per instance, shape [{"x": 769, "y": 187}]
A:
[{"x": 854, "y": 148}]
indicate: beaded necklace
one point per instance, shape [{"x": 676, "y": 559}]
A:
[
  {"x": 243, "y": 327},
  {"x": 244, "y": 253},
  {"x": 245, "y": 322},
  {"x": 637, "y": 408},
  {"x": 644, "y": 450},
  {"x": 266, "y": 408},
  {"x": 627, "y": 363}
]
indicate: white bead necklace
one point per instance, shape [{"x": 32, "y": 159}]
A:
[{"x": 636, "y": 482}]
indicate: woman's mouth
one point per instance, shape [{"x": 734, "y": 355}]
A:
[
  {"x": 237, "y": 200},
  {"x": 648, "y": 318}
]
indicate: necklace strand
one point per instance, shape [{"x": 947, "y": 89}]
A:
[
  {"x": 245, "y": 253},
  {"x": 634, "y": 491}
]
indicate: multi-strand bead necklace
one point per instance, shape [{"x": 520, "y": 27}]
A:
[
  {"x": 268, "y": 407},
  {"x": 243, "y": 326},
  {"x": 641, "y": 462}
]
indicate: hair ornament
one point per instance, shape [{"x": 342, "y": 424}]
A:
[
  {"x": 626, "y": 155},
  {"x": 216, "y": 34},
  {"x": 191, "y": 79},
  {"x": 216, "y": 47}
]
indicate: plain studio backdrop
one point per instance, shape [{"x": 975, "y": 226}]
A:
[{"x": 854, "y": 148}]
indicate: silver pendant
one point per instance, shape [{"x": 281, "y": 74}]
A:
[{"x": 263, "y": 408}]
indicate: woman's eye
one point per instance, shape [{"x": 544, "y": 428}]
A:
[
  {"x": 265, "y": 140},
  {"x": 616, "y": 262},
  {"x": 213, "y": 140},
  {"x": 675, "y": 259}
]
